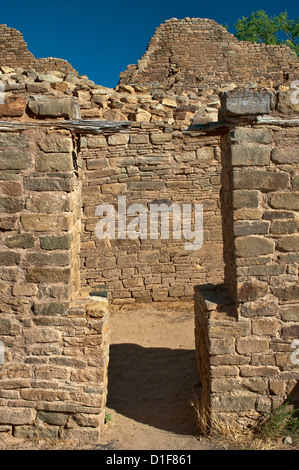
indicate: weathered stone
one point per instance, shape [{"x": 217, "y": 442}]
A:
[
  {"x": 248, "y": 134},
  {"x": 9, "y": 326},
  {"x": 290, "y": 332},
  {"x": 10, "y": 205},
  {"x": 24, "y": 240},
  {"x": 290, "y": 292},
  {"x": 251, "y": 246},
  {"x": 58, "y": 419},
  {"x": 260, "y": 179},
  {"x": 250, "y": 155},
  {"x": 61, "y": 183},
  {"x": 285, "y": 155},
  {"x": 251, "y": 290},
  {"x": 265, "y": 327},
  {"x": 12, "y": 139},
  {"x": 42, "y": 335},
  {"x": 45, "y": 222},
  {"x": 285, "y": 103},
  {"x": 289, "y": 201},
  {"x": 48, "y": 275},
  {"x": 58, "y": 144},
  {"x": 289, "y": 243},
  {"x": 13, "y": 106},
  {"x": 233, "y": 403},
  {"x": 14, "y": 159},
  {"x": 56, "y": 243},
  {"x": 160, "y": 138},
  {"x": 38, "y": 87},
  {"x": 290, "y": 313},
  {"x": 249, "y": 227},
  {"x": 245, "y": 102},
  {"x": 9, "y": 258},
  {"x": 251, "y": 345},
  {"x": 17, "y": 416},
  {"x": 205, "y": 154},
  {"x": 243, "y": 199},
  {"x": 64, "y": 107},
  {"x": 54, "y": 162},
  {"x": 118, "y": 139}
]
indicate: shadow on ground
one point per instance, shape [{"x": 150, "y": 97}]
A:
[{"x": 153, "y": 386}]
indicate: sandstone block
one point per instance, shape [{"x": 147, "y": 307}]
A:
[
  {"x": 260, "y": 179},
  {"x": 13, "y": 106},
  {"x": 160, "y": 138},
  {"x": 289, "y": 201},
  {"x": 248, "y": 134},
  {"x": 61, "y": 183},
  {"x": 45, "y": 222},
  {"x": 251, "y": 246},
  {"x": 233, "y": 403},
  {"x": 64, "y": 107},
  {"x": 285, "y": 104},
  {"x": 17, "y": 416},
  {"x": 285, "y": 155},
  {"x": 9, "y": 258},
  {"x": 54, "y": 162},
  {"x": 48, "y": 275},
  {"x": 12, "y": 139},
  {"x": 10, "y": 205},
  {"x": 15, "y": 159},
  {"x": 118, "y": 139},
  {"x": 248, "y": 227},
  {"x": 265, "y": 327},
  {"x": 24, "y": 240},
  {"x": 250, "y": 154},
  {"x": 42, "y": 335},
  {"x": 289, "y": 243},
  {"x": 9, "y": 327},
  {"x": 290, "y": 292},
  {"x": 245, "y": 102},
  {"x": 251, "y": 345},
  {"x": 245, "y": 198},
  {"x": 251, "y": 290},
  {"x": 56, "y": 243}
]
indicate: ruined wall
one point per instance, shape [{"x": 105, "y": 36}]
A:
[
  {"x": 53, "y": 374},
  {"x": 14, "y": 53},
  {"x": 151, "y": 163},
  {"x": 196, "y": 53},
  {"x": 246, "y": 329}
]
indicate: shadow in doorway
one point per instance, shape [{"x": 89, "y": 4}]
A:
[{"x": 153, "y": 386}]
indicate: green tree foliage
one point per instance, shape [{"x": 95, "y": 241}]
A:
[{"x": 260, "y": 27}]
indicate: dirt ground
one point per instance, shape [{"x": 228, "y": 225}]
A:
[{"x": 152, "y": 371}]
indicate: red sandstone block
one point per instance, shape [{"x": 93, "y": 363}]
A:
[{"x": 13, "y": 106}]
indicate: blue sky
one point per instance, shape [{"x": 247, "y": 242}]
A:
[{"x": 101, "y": 37}]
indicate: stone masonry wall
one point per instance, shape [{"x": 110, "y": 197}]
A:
[
  {"x": 250, "y": 324},
  {"x": 197, "y": 53},
  {"x": 14, "y": 53},
  {"x": 149, "y": 163},
  {"x": 53, "y": 377}
]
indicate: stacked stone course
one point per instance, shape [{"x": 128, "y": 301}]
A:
[
  {"x": 68, "y": 145},
  {"x": 252, "y": 371}
]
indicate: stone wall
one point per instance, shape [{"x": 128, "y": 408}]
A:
[
  {"x": 151, "y": 163},
  {"x": 14, "y": 53},
  {"x": 246, "y": 329},
  {"x": 197, "y": 53},
  {"x": 53, "y": 378}
]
